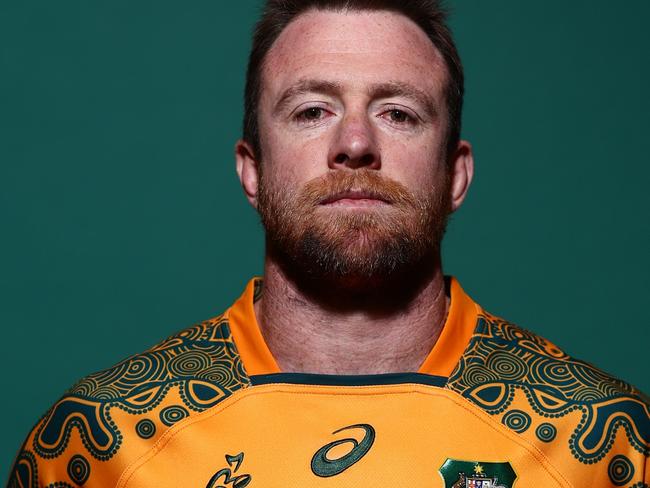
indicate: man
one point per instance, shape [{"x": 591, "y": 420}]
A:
[{"x": 355, "y": 361}]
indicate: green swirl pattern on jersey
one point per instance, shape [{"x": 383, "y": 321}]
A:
[
  {"x": 502, "y": 358},
  {"x": 201, "y": 362}
]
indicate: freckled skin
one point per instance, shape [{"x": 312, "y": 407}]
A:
[{"x": 352, "y": 127}]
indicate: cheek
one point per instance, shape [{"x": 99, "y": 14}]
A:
[
  {"x": 289, "y": 161},
  {"x": 416, "y": 165}
]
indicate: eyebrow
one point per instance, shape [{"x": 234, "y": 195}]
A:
[
  {"x": 307, "y": 86},
  {"x": 406, "y": 90},
  {"x": 377, "y": 90}
]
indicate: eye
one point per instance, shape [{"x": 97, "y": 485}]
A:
[
  {"x": 311, "y": 114},
  {"x": 399, "y": 116}
]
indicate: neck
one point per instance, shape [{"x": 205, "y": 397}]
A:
[{"x": 311, "y": 329}]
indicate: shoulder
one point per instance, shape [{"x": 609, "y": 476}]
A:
[
  {"x": 122, "y": 410},
  {"x": 511, "y": 355},
  {"x": 539, "y": 391}
]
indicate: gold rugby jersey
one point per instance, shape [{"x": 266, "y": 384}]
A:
[{"x": 492, "y": 406}]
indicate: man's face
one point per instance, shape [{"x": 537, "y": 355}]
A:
[{"x": 353, "y": 186}]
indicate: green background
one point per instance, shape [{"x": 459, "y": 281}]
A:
[{"x": 123, "y": 221}]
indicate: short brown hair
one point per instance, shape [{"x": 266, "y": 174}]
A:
[{"x": 429, "y": 15}]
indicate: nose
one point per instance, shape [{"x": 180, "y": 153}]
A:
[{"x": 354, "y": 145}]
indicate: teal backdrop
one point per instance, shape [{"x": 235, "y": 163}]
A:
[{"x": 123, "y": 221}]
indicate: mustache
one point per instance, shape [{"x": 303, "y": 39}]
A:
[{"x": 370, "y": 183}]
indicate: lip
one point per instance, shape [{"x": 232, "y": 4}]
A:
[{"x": 357, "y": 198}]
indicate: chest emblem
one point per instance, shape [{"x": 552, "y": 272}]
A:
[
  {"x": 477, "y": 474},
  {"x": 225, "y": 478}
]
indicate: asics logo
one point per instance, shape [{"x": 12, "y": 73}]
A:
[{"x": 324, "y": 466}]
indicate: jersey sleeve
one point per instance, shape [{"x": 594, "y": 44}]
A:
[
  {"x": 110, "y": 418},
  {"x": 49, "y": 458}
]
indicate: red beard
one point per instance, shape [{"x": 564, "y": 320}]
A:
[{"x": 360, "y": 247}]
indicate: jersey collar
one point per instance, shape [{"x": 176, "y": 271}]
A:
[{"x": 441, "y": 361}]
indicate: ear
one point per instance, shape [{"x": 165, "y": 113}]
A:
[
  {"x": 247, "y": 170},
  {"x": 462, "y": 171}
]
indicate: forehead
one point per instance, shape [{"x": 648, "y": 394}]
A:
[{"x": 354, "y": 48}]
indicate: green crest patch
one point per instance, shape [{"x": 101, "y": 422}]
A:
[{"x": 477, "y": 474}]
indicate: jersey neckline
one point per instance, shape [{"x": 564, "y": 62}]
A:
[
  {"x": 348, "y": 380},
  {"x": 441, "y": 360}
]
